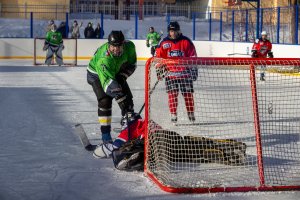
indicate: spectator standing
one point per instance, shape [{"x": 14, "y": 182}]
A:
[
  {"x": 99, "y": 32},
  {"x": 89, "y": 31},
  {"x": 75, "y": 30}
]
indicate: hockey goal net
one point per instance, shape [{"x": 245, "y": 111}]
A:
[
  {"x": 69, "y": 53},
  {"x": 246, "y": 131}
]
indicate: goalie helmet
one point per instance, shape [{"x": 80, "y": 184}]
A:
[
  {"x": 264, "y": 33},
  {"x": 53, "y": 28},
  {"x": 116, "y": 38}
]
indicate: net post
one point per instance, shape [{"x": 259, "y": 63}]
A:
[
  {"x": 147, "y": 87},
  {"x": 257, "y": 126}
]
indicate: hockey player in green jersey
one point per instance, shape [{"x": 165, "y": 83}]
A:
[
  {"x": 107, "y": 72},
  {"x": 153, "y": 39},
  {"x": 54, "y": 45}
]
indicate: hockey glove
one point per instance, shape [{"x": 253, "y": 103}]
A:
[
  {"x": 147, "y": 44},
  {"x": 46, "y": 46},
  {"x": 62, "y": 46},
  {"x": 270, "y": 54},
  {"x": 114, "y": 89},
  {"x": 127, "y": 69},
  {"x": 194, "y": 73},
  {"x": 254, "y": 54}
]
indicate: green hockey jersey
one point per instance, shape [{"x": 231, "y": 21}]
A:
[
  {"x": 107, "y": 66},
  {"x": 54, "y": 38},
  {"x": 153, "y": 38}
]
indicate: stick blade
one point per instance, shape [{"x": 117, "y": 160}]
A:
[{"x": 83, "y": 138}]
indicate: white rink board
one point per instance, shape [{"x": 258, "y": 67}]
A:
[{"x": 15, "y": 48}]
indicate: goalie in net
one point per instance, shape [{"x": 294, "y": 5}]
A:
[
  {"x": 54, "y": 45},
  {"x": 127, "y": 150},
  {"x": 176, "y": 45}
]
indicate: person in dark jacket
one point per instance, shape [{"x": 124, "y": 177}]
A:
[
  {"x": 62, "y": 29},
  {"x": 99, "y": 31},
  {"x": 89, "y": 31}
]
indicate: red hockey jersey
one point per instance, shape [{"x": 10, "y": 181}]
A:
[
  {"x": 180, "y": 47},
  {"x": 262, "y": 48}
]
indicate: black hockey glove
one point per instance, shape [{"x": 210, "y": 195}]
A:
[
  {"x": 194, "y": 73},
  {"x": 270, "y": 54},
  {"x": 127, "y": 70},
  {"x": 254, "y": 54},
  {"x": 46, "y": 46},
  {"x": 114, "y": 89}
]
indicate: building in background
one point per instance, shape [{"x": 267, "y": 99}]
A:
[
  {"x": 47, "y": 9},
  {"x": 123, "y": 9}
]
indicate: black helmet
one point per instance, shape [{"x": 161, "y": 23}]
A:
[
  {"x": 173, "y": 26},
  {"x": 116, "y": 38}
]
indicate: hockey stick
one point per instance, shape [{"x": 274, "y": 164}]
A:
[
  {"x": 241, "y": 54},
  {"x": 84, "y": 139},
  {"x": 152, "y": 89}
]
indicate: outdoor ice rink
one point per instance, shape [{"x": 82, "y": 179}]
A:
[{"x": 41, "y": 158}]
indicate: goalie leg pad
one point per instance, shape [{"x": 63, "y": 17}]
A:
[{"x": 175, "y": 148}]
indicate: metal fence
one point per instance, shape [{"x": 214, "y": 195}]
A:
[{"x": 281, "y": 23}]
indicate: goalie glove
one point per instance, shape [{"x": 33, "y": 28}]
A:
[{"x": 46, "y": 46}]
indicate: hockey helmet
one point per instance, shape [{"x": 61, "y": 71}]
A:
[
  {"x": 151, "y": 29},
  {"x": 53, "y": 27},
  {"x": 116, "y": 38},
  {"x": 173, "y": 26},
  {"x": 264, "y": 33}
]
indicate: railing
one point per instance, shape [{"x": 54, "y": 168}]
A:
[{"x": 281, "y": 23}]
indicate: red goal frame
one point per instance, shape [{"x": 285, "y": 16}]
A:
[{"x": 251, "y": 62}]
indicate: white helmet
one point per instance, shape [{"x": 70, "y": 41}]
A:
[{"x": 264, "y": 33}]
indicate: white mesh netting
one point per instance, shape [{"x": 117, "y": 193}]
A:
[{"x": 223, "y": 115}]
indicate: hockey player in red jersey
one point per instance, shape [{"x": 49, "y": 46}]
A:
[
  {"x": 262, "y": 48},
  {"x": 176, "y": 45}
]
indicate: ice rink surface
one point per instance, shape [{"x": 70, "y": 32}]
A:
[{"x": 41, "y": 158}]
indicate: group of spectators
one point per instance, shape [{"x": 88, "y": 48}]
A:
[{"x": 89, "y": 31}]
